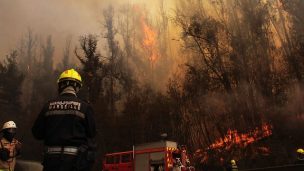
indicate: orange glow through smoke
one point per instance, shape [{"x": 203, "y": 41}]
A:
[
  {"x": 149, "y": 41},
  {"x": 242, "y": 140}
]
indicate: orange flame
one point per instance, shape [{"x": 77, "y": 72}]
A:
[
  {"x": 149, "y": 41},
  {"x": 234, "y": 138}
]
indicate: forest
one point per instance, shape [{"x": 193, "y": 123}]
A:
[{"x": 223, "y": 77}]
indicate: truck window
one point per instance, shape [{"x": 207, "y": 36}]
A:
[
  {"x": 126, "y": 158},
  {"x": 109, "y": 159},
  {"x": 116, "y": 158}
]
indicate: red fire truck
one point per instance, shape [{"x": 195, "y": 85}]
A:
[{"x": 155, "y": 156}]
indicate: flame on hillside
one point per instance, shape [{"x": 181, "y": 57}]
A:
[
  {"x": 149, "y": 41},
  {"x": 233, "y": 138}
]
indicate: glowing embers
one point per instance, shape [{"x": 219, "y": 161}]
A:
[{"x": 233, "y": 138}]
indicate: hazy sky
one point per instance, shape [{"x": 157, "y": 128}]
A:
[{"x": 59, "y": 18}]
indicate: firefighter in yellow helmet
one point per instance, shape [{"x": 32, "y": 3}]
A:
[
  {"x": 69, "y": 81},
  {"x": 66, "y": 125},
  {"x": 300, "y": 156},
  {"x": 9, "y": 147},
  {"x": 232, "y": 166}
]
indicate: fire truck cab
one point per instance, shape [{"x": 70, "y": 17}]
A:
[{"x": 155, "y": 156}]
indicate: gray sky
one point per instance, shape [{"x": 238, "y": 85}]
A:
[{"x": 59, "y": 18}]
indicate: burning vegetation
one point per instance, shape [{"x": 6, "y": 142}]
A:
[
  {"x": 149, "y": 41},
  {"x": 234, "y": 141},
  {"x": 241, "y": 140},
  {"x": 194, "y": 74}
]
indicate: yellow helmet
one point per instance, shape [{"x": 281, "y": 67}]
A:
[
  {"x": 300, "y": 150},
  {"x": 70, "y": 75},
  {"x": 233, "y": 162}
]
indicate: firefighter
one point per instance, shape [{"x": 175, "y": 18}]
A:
[
  {"x": 184, "y": 157},
  {"x": 9, "y": 147},
  {"x": 66, "y": 125},
  {"x": 233, "y": 166},
  {"x": 176, "y": 156},
  {"x": 300, "y": 156}
]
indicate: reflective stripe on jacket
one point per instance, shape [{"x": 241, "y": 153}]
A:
[
  {"x": 234, "y": 167},
  {"x": 12, "y": 147},
  {"x": 65, "y": 121}
]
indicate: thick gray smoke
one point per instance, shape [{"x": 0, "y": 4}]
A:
[
  {"x": 59, "y": 18},
  {"x": 66, "y": 19},
  {"x": 56, "y": 18}
]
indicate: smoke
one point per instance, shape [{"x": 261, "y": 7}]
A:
[
  {"x": 65, "y": 19},
  {"x": 57, "y": 18},
  {"x": 294, "y": 109}
]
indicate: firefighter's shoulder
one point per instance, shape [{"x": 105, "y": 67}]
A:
[{"x": 84, "y": 100}]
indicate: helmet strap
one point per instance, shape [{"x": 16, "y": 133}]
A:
[
  {"x": 68, "y": 90},
  {"x": 68, "y": 87}
]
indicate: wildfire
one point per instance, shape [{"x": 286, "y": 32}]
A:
[
  {"x": 235, "y": 141},
  {"x": 242, "y": 139},
  {"x": 149, "y": 41}
]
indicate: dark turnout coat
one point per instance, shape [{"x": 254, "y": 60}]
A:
[{"x": 65, "y": 121}]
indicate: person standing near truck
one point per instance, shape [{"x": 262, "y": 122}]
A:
[
  {"x": 232, "y": 166},
  {"x": 66, "y": 125},
  {"x": 300, "y": 156}
]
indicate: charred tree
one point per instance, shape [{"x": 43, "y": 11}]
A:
[
  {"x": 90, "y": 59},
  {"x": 10, "y": 87}
]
